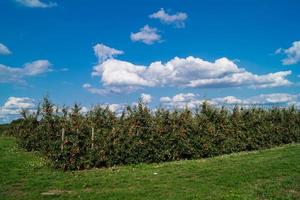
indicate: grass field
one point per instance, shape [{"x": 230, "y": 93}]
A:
[{"x": 269, "y": 174}]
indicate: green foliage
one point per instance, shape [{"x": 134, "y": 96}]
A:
[{"x": 141, "y": 135}]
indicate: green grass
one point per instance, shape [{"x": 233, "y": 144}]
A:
[{"x": 269, "y": 174}]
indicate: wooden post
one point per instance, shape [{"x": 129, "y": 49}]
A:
[
  {"x": 93, "y": 137},
  {"x": 62, "y": 138}
]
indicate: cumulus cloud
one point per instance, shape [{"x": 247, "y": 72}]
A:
[
  {"x": 190, "y": 100},
  {"x": 13, "y": 106},
  {"x": 146, "y": 98},
  {"x": 176, "y": 19},
  {"x": 4, "y": 50},
  {"x": 181, "y": 101},
  {"x": 117, "y": 108},
  {"x": 36, "y": 4},
  {"x": 227, "y": 100},
  {"x": 187, "y": 72},
  {"x": 104, "y": 52},
  {"x": 12, "y": 74},
  {"x": 147, "y": 35},
  {"x": 120, "y": 73},
  {"x": 119, "y": 76},
  {"x": 292, "y": 53}
]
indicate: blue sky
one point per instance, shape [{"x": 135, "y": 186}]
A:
[{"x": 56, "y": 39}]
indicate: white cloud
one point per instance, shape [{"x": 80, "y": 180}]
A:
[
  {"x": 165, "y": 99},
  {"x": 36, "y": 4},
  {"x": 245, "y": 79},
  {"x": 17, "y": 103},
  {"x": 84, "y": 110},
  {"x": 292, "y": 53},
  {"x": 176, "y": 19},
  {"x": 104, "y": 52},
  {"x": 262, "y": 99},
  {"x": 275, "y": 98},
  {"x": 117, "y": 108},
  {"x": 119, "y": 76},
  {"x": 36, "y": 67},
  {"x": 181, "y": 101},
  {"x": 120, "y": 73},
  {"x": 13, "y": 106},
  {"x": 4, "y": 50},
  {"x": 227, "y": 100},
  {"x": 146, "y": 98},
  {"x": 185, "y": 72},
  {"x": 147, "y": 35},
  {"x": 110, "y": 89},
  {"x": 190, "y": 100},
  {"x": 12, "y": 74},
  {"x": 91, "y": 89}
]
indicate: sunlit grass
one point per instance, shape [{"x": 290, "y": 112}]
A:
[{"x": 268, "y": 174}]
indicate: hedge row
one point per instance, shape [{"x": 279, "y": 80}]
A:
[{"x": 141, "y": 135}]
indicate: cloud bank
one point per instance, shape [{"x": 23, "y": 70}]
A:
[
  {"x": 189, "y": 72},
  {"x": 190, "y": 100},
  {"x": 262, "y": 99}
]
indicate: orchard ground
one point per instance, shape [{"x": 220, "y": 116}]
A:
[{"x": 266, "y": 174}]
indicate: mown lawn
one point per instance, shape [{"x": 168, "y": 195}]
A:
[{"x": 269, "y": 174}]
